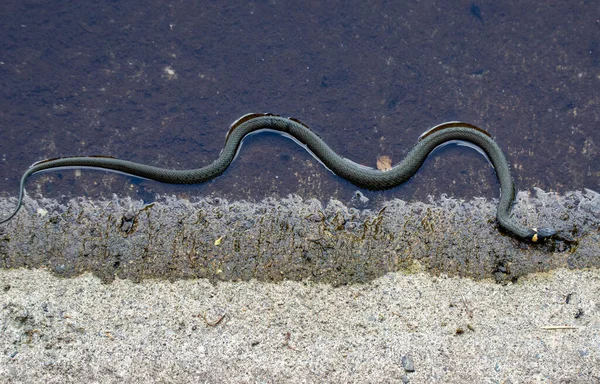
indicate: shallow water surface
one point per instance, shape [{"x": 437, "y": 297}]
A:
[{"x": 159, "y": 83}]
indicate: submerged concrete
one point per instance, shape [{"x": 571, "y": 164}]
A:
[{"x": 296, "y": 239}]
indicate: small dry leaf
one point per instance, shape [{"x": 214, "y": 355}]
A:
[
  {"x": 384, "y": 163},
  {"x": 219, "y": 240}
]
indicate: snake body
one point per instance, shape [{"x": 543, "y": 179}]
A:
[{"x": 361, "y": 176}]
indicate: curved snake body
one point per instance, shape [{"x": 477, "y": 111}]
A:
[{"x": 364, "y": 177}]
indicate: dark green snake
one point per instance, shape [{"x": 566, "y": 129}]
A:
[{"x": 361, "y": 176}]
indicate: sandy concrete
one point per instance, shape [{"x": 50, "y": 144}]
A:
[{"x": 454, "y": 330}]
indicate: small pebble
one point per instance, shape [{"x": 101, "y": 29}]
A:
[
  {"x": 359, "y": 197},
  {"x": 408, "y": 364}
]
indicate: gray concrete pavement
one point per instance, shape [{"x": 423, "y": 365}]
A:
[{"x": 455, "y": 330}]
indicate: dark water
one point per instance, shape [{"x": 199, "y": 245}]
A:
[{"x": 159, "y": 83}]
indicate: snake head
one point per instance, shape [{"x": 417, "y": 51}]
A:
[{"x": 542, "y": 234}]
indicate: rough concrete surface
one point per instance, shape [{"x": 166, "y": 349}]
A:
[
  {"x": 296, "y": 239},
  {"x": 298, "y": 291},
  {"x": 451, "y": 330}
]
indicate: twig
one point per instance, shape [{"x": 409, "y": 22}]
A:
[
  {"x": 286, "y": 342},
  {"x": 469, "y": 310},
  {"x": 213, "y": 324}
]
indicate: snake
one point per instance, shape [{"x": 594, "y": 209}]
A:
[{"x": 360, "y": 175}]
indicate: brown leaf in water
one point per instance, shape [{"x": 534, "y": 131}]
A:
[{"x": 384, "y": 163}]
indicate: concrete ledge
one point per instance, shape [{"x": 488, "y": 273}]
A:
[{"x": 295, "y": 239}]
